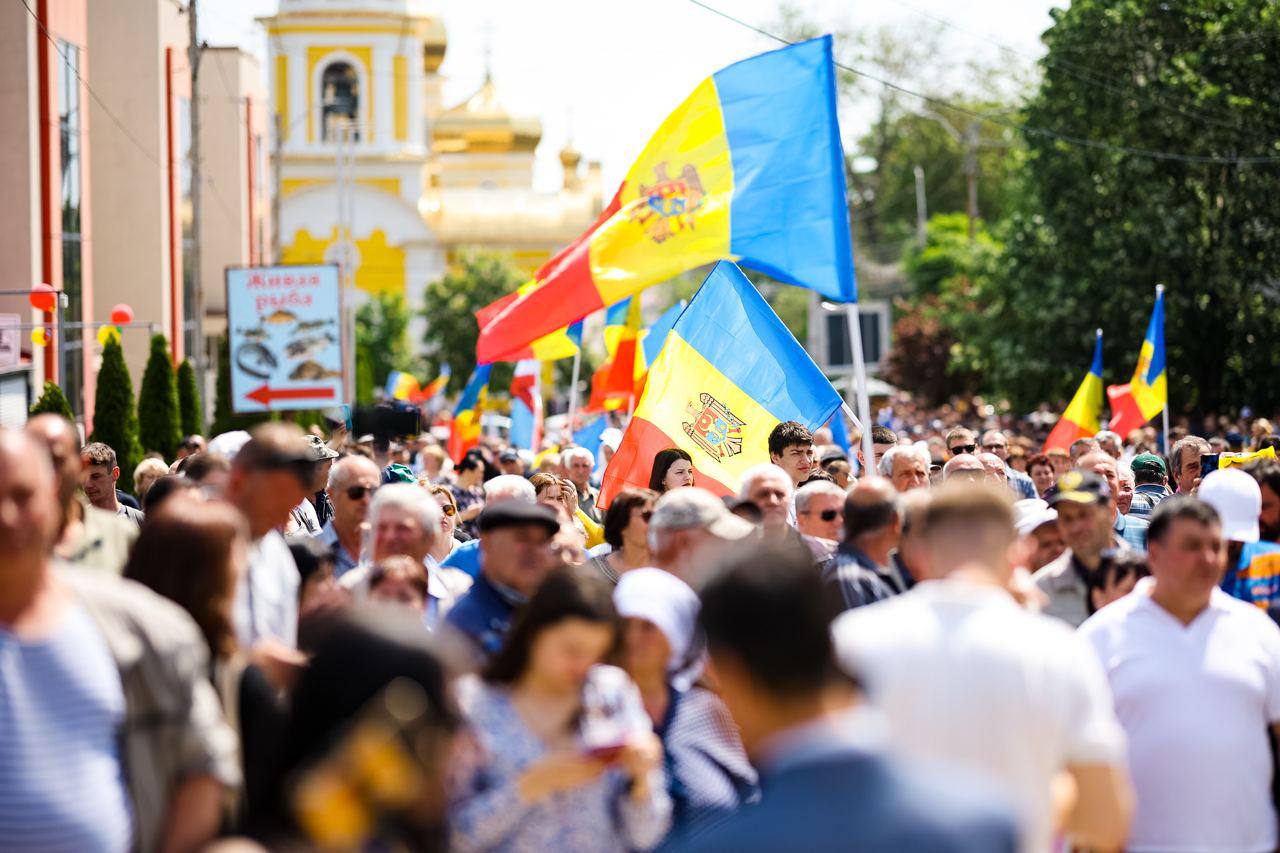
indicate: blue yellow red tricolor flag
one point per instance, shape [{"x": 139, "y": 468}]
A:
[
  {"x": 748, "y": 168},
  {"x": 526, "y": 405},
  {"x": 1081, "y": 419},
  {"x": 404, "y": 386},
  {"x": 729, "y": 372},
  {"x": 1147, "y": 393},
  {"x": 465, "y": 433}
]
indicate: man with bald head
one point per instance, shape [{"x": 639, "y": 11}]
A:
[
  {"x": 352, "y": 482},
  {"x": 769, "y": 487},
  {"x": 113, "y": 736},
  {"x": 862, "y": 570},
  {"x": 1133, "y": 530},
  {"x": 964, "y": 466},
  {"x": 87, "y": 536}
]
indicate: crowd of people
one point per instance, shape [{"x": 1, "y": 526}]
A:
[{"x": 293, "y": 640}]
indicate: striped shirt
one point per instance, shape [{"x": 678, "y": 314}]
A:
[{"x": 62, "y": 785}]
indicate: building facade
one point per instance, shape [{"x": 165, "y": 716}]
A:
[
  {"x": 45, "y": 224},
  {"x": 426, "y": 181}
]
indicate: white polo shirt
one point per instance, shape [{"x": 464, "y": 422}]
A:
[
  {"x": 964, "y": 675},
  {"x": 1195, "y": 701}
]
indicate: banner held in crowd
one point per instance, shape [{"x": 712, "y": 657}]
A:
[
  {"x": 729, "y": 372},
  {"x": 750, "y": 168},
  {"x": 1083, "y": 414}
]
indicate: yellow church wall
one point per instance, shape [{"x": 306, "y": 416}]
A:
[
  {"x": 317, "y": 55},
  {"x": 400, "y": 95},
  {"x": 381, "y": 269},
  {"x": 282, "y": 93},
  {"x": 288, "y": 186}
]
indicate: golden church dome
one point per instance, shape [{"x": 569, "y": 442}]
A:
[
  {"x": 482, "y": 124},
  {"x": 570, "y": 157}
]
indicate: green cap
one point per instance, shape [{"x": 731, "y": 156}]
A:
[
  {"x": 1148, "y": 463},
  {"x": 397, "y": 473}
]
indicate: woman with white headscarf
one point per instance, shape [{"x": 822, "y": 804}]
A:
[{"x": 708, "y": 773}]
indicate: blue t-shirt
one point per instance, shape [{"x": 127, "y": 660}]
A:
[
  {"x": 1255, "y": 577},
  {"x": 465, "y": 557},
  {"x": 62, "y": 706}
]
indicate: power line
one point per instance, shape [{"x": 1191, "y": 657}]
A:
[
  {"x": 1024, "y": 128},
  {"x": 1087, "y": 75},
  {"x": 89, "y": 89}
]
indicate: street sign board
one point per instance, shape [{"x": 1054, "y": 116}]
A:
[{"x": 284, "y": 327}]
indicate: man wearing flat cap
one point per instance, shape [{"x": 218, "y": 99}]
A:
[{"x": 516, "y": 539}]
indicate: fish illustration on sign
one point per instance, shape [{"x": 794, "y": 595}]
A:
[
  {"x": 256, "y": 360},
  {"x": 313, "y": 370},
  {"x": 312, "y": 325},
  {"x": 310, "y": 346},
  {"x": 256, "y": 333},
  {"x": 279, "y": 317}
]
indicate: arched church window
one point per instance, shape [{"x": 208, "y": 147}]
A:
[{"x": 339, "y": 100}]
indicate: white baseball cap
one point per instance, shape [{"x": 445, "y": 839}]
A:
[{"x": 1238, "y": 500}]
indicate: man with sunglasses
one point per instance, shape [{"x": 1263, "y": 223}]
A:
[
  {"x": 961, "y": 441},
  {"x": 270, "y": 474},
  {"x": 820, "y": 513},
  {"x": 352, "y": 482},
  {"x": 995, "y": 443}
]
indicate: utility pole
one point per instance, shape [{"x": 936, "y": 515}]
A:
[
  {"x": 971, "y": 175},
  {"x": 922, "y": 209},
  {"x": 276, "y": 156},
  {"x": 194, "y": 49}
]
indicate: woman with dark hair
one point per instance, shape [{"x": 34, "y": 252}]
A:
[
  {"x": 672, "y": 468},
  {"x": 369, "y": 735},
  {"x": 565, "y": 757},
  {"x": 191, "y": 552},
  {"x": 626, "y": 530},
  {"x": 1041, "y": 470}
]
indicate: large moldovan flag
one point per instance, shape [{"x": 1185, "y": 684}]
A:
[
  {"x": 1081, "y": 418},
  {"x": 729, "y": 372},
  {"x": 748, "y": 168},
  {"x": 1147, "y": 393}
]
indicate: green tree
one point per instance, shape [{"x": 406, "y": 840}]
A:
[
  {"x": 449, "y": 305},
  {"x": 159, "y": 421},
  {"x": 1098, "y": 227},
  {"x": 382, "y": 343},
  {"x": 224, "y": 419},
  {"x": 189, "y": 400},
  {"x": 52, "y": 400},
  {"x": 115, "y": 418}
]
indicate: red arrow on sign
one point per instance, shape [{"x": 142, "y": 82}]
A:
[{"x": 265, "y": 395}]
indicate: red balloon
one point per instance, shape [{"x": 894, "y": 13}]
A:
[
  {"x": 121, "y": 314},
  {"x": 42, "y": 297}
]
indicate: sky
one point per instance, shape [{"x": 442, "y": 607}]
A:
[{"x": 604, "y": 73}]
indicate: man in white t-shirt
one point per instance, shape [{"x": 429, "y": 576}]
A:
[
  {"x": 1196, "y": 678},
  {"x": 965, "y": 676}
]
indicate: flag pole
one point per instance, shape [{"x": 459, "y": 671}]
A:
[
  {"x": 1165, "y": 412},
  {"x": 573, "y": 393},
  {"x": 860, "y": 386}
]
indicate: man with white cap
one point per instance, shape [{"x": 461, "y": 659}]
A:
[
  {"x": 707, "y": 767},
  {"x": 684, "y": 523},
  {"x": 1253, "y": 565},
  {"x": 1037, "y": 526}
]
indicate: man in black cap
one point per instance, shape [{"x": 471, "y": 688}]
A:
[
  {"x": 1085, "y": 508},
  {"x": 509, "y": 463},
  {"x": 313, "y": 512},
  {"x": 516, "y": 540}
]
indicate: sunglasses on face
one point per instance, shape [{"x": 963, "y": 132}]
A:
[
  {"x": 826, "y": 514},
  {"x": 448, "y": 509},
  {"x": 356, "y": 493},
  {"x": 646, "y": 514},
  {"x": 963, "y": 448},
  {"x": 993, "y": 447}
]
